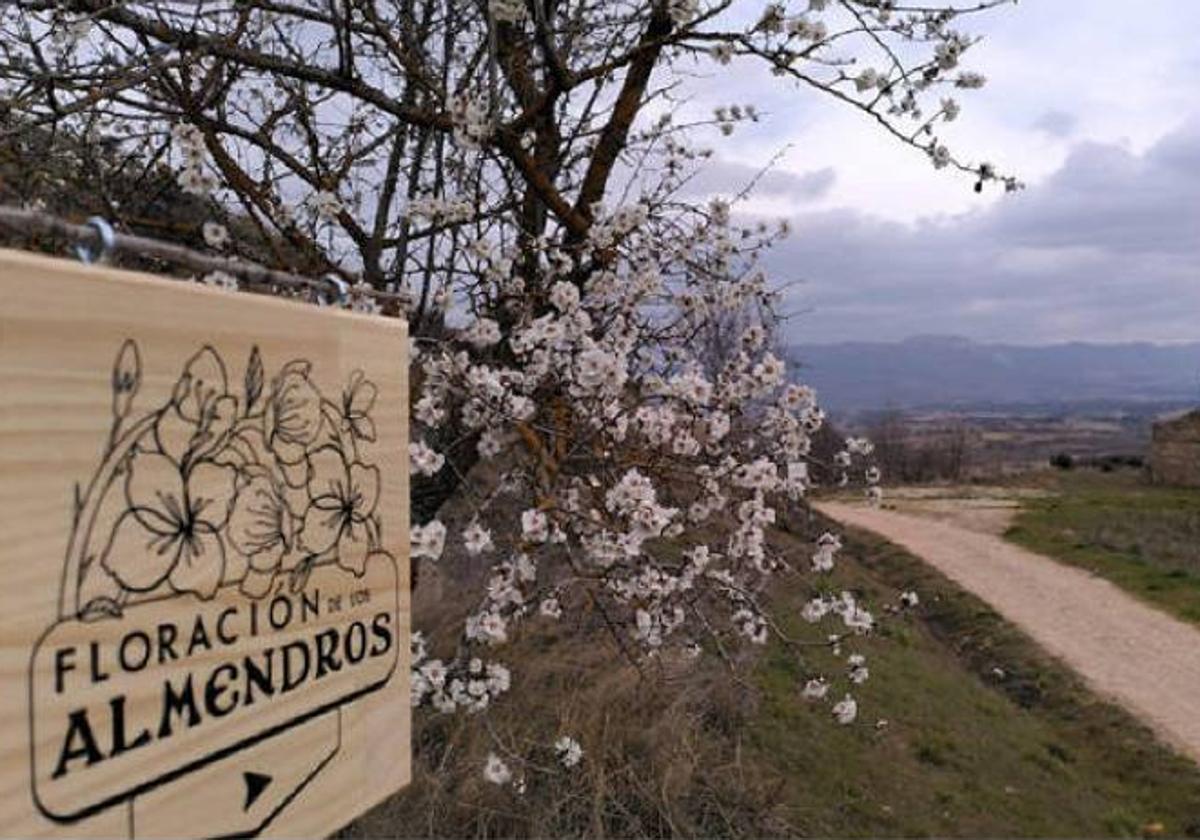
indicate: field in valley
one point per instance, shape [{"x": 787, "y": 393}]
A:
[{"x": 1004, "y": 443}]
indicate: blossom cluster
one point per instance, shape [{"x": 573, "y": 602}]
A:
[
  {"x": 603, "y": 343},
  {"x": 471, "y": 685},
  {"x": 792, "y": 37},
  {"x": 193, "y": 174},
  {"x": 497, "y": 771},
  {"x": 470, "y": 118},
  {"x": 654, "y": 490}
]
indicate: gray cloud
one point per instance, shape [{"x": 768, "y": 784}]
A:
[
  {"x": 1056, "y": 123},
  {"x": 723, "y": 177},
  {"x": 1107, "y": 248}
]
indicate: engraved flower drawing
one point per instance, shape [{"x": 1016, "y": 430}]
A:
[
  {"x": 248, "y": 485},
  {"x": 172, "y": 528},
  {"x": 343, "y": 498}
]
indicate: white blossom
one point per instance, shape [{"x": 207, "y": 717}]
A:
[
  {"x": 483, "y": 332},
  {"x": 423, "y": 459},
  {"x": 845, "y": 710},
  {"x": 564, "y": 296},
  {"x": 496, "y": 771},
  {"x": 434, "y": 671},
  {"x": 815, "y": 689},
  {"x": 569, "y": 751},
  {"x": 828, "y": 545},
  {"x": 535, "y": 526},
  {"x": 428, "y": 540},
  {"x": 215, "y": 235},
  {"x": 476, "y": 539},
  {"x": 814, "y": 610}
]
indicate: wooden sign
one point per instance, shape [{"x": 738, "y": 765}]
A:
[{"x": 204, "y": 621}]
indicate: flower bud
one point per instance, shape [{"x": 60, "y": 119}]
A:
[{"x": 126, "y": 378}]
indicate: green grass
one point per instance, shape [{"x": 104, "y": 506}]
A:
[
  {"x": 986, "y": 736},
  {"x": 1144, "y": 538}
]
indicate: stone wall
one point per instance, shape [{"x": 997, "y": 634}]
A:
[{"x": 1175, "y": 451}]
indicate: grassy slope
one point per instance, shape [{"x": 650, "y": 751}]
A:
[
  {"x": 1143, "y": 538},
  {"x": 986, "y": 736}
]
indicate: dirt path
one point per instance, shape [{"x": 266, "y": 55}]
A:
[
  {"x": 990, "y": 510},
  {"x": 1126, "y": 650}
]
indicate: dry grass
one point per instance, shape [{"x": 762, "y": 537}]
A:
[{"x": 664, "y": 755}]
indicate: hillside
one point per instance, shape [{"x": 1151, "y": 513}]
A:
[
  {"x": 965, "y": 729},
  {"x": 948, "y": 372}
]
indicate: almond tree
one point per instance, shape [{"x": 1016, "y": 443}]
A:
[{"x": 517, "y": 167}]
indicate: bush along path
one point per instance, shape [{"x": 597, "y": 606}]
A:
[{"x": 1147, "y": 661}]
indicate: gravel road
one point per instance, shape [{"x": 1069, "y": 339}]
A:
[{"x": 1127, "y": 651}]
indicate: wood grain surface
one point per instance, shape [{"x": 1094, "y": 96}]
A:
[{"x": 204, "y": 616}]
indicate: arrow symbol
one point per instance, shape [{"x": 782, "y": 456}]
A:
[{"x": 256, "y": 783}]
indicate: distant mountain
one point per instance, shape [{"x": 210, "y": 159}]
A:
[{"x": 951, "y": 372}]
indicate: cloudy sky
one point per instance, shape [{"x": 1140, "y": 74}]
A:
[{"x": 1093, "y": 103}]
